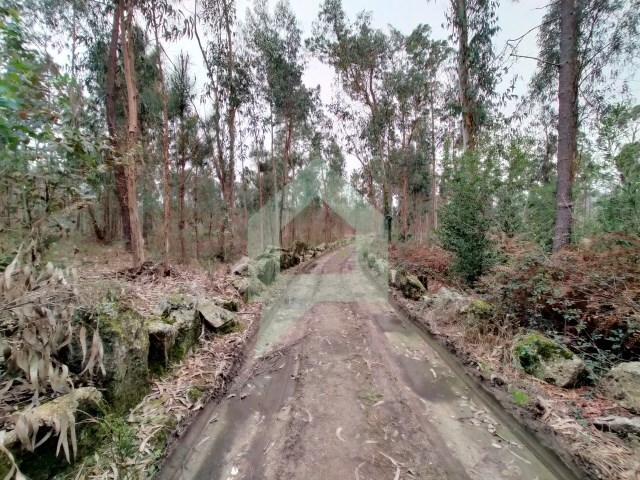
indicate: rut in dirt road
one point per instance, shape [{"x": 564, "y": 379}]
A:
[{"x": 342, "y": 387}]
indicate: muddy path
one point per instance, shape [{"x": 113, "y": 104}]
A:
[{"x": 341, "y": 386}]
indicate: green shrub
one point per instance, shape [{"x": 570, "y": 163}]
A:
[{"x": 464, "y": 221}]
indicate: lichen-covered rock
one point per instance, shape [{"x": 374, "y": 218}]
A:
[
  {"x": 248, "y": 287},
  {"x": 227, "y": 303},
  {"x": 410, "y": 286},
  {"x": 170, "y": 338},
  {"x": 381, "y": 266},
  {"x": 244, "y": 266},
  {"x": 480, "y": 309},
  {"x": 85, "y": 399},
  {"x": 172, "y": 303},
  {"x": 213, "y": 316},
  {"x": 547, "y": 360},
  {"x": 392, "y": 276},
  {"x": 125, "y": 341},
  {"x": 622, "y": 384},
  {"x": 451, "y": 300},
  {"x": 564, "y": 372},
  {"x": 267, "y": 268}
]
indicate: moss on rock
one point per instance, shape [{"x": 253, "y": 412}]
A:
[
  {"x": 410, "y": 286},
  {"x": 547, "y": 360}
]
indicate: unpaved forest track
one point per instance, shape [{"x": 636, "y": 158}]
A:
[{"x": 342, "y": 387}]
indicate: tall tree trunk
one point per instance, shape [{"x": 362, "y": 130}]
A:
[
  {"x": 461, "y": 23},
  {"x": 285, "y": 174},
  {"x": 166, "y": 218},
  {"x": 137, "y": 244},
  {"x": 567, "y": 121},
  {"x": 110, "y": 110},
  {"x": 181, "y": 194},
  {"x": 433, "y": 203},
  {"x": 99, "y": 232},
  {"x": 196, "y": 218},
  {"x": 231, "y": 115}
]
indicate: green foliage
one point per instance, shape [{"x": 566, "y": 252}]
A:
[
  {"x": 534, "y": 348},
  {"x": 44, "y": 155},
  {"x": 620, "y": 207},
  {"x": 116, "y": 432},
  {"x": 520, "y": 397},
  {"x": 464, "y": 221}
]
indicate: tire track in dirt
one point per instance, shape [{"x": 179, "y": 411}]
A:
[{"x": 349, "y": 390}]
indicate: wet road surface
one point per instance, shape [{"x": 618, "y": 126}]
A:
[{"x": 342, "y": 386}]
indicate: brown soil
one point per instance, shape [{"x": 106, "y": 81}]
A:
[{"x": 341, "y": 386}]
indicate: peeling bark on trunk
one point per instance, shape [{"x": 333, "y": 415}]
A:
[
  {"x": 567, "y": 122},
  {"x": 137, "y": 244},
  {"x": 433, "y": 201},
  {"x": 166, "y": 218},
  {"x": 99, "y": 232},
  {"x": 110, "y": 110},
  {"x": 468, "y": 127}
]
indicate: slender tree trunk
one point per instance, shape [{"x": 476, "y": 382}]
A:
[
  {"x": 567, "y": 121},
  {"x": 261, "y": 200},
  {"x": 182, "y": 221},
  {"x": 110, "y": 110},
  {"x": 196, "y": 214},
  {"x": 231, "y": 115},
  {"x": 405, "y": 204},
  {"x": 137, "y": 244},
  {"x": 166, "y": 218},
  {"x": 434, "y": 180},
  {"x": 285, "y": 175},
  {"x": 461, "y": 23},
  {"x": 99, "y": 232}
]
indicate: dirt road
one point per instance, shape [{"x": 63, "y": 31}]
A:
[{"x": 341, "y": 387}]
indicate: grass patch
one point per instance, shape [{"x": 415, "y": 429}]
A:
[
  {"x": 520, "y": 397},
  {"x": 371, "y": 396}
]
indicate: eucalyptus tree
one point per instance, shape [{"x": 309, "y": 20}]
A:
[
  {"x": 585, "y": 46},
  {"x": 181, "y": 113},
  {"x": 275, "y": 44},
  {"x": 360, "y": 56},
  {"x": 162, "y": 17},
  {"x": 227, "y": 87},
  {"x": 414, "y": 87},
  {"x": 619, "y": 141},
  {"x": 474, "y": 24},
  {"x": 44, "y": 156}
]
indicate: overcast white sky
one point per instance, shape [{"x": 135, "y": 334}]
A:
[{"x": 514, "y": 18}]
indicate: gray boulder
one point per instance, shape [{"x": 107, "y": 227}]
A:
[
  {"x": 171, "y": 337},
  {"x": 125, "y": 341},
  {"x": 563, "y": 372},
  {"x": 381, "y": 266},
  {"x": 448, "y": 298},
  {"x": 267, "y": 268},
  {"x": 244, "y": 266},
  {"x": 248, "y": 287},
  {"x": 548, "y": 360},
  {"x": 622, "y": 384},
  {"x": 410, "y": 286},
  {"x": 172, "y": 303},
  {"x": 227, "y": 303},
  {"x": 213, "y": 316}
]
